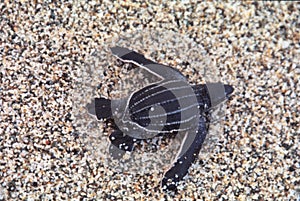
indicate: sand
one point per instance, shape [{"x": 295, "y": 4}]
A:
[{"x": 55, "y": 58}]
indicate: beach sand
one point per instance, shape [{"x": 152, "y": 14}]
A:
[{"x": 55, "y": 58}]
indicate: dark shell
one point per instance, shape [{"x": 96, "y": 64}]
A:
[{"x": 167, "y": 105}]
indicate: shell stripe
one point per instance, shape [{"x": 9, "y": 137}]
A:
[
  {"x": 192, "y": 118},
  {"x": 155, "y": 101},
  {"x": 152, "y": 90},
  {"x": 174, "y": 112}
]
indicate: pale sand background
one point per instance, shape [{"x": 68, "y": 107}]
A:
[{"x": 45, "y": 49}]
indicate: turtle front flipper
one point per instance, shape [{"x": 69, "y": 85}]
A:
[
  {"x": 120, "y": 144},
  {"x": 122, "y": 141},
  {"x": 187, "y": 155},
  {"x": 160, "y": 70}
]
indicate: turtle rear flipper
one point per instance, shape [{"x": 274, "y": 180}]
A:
[
  {"x": 162, "y": 71},
  {"x": 122, "y": 141}
]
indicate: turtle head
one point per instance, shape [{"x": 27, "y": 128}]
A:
[{"x": 101, "y": 107}]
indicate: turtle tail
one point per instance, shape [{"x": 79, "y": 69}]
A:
[
  {"x": 103, "y": 108},
  {"x": 228, "y": 90},
  {"x": 218, "y": 92}
]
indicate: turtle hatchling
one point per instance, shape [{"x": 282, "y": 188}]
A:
[{"x": 163, "y": 108}]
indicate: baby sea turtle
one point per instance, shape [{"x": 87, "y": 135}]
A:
[{"x": 166, "y": 107}]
